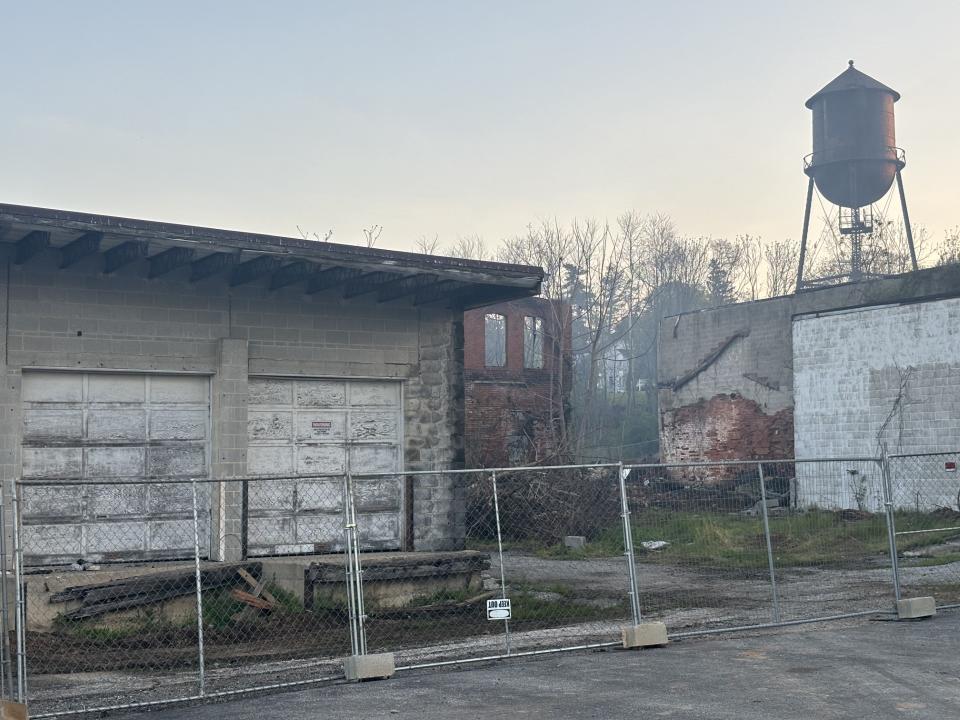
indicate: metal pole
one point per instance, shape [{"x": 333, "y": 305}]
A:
[
  {"x": 503, "y": 577},
  {"x": 358, "y": 574},
  {"x": 348, "y": 567},
  {"x": 6, "y": 671},
  {"x": 766, "y": 534},
  {"x": 17, "y": 568},
  {"x": 628, "y": 547},
  {"x": 803, "y": 235},
  {"x": 891, "y": 521},
  {"x": 196, "y": 570},
  {"x": 906, "y": 220}
]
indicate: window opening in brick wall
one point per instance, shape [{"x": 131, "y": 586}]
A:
[
  {"x": 495, "y": 340},
  {"x": 532, "y": 342}
]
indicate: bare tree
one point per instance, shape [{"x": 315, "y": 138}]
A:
[
  {"x": 307, "y": 235},
  {"x": 428, "y": 246},
  {"x": 469, "y": 247},
  {"x": 372, "y": 234},
  {"x": 949, "y": 250},
  {"x": 782, "y": 259}
]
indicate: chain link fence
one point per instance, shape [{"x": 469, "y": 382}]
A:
[
  {"x": 551, "y": 559},
  {"x": 926, "y": 498}
]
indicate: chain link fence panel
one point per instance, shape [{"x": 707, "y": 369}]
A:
[{"x": 926, "y": 499}]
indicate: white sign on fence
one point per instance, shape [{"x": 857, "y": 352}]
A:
[{"x": 498, "y": 609}]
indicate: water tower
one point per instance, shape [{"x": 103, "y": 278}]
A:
[{"x": 854, "y": 161}]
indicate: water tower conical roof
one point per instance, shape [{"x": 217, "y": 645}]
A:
[{"x": 852, "y": 79}]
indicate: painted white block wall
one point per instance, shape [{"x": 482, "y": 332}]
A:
[{"x": 889, "y": 373}]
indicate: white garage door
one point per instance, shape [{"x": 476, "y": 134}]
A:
[
  {"x": 311, "y": 427},
  {"x": 107, "y": 428}
]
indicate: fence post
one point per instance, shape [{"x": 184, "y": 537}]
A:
[
  {"x": 199, "y": 592},
  {"x": 357, "y": 570},
  {"x": 6, "y": 664},
  {"x": 628, "y": 551},
  {"x": 766, "y": 534},
  {"x": 20, "y": 615},
  {"x": 503, "y": 577},
  {"x": 891, "y": 521},
  {"x": 348, "y": 568}
]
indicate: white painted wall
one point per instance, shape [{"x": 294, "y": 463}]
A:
[{"x": 851, "y": 367}]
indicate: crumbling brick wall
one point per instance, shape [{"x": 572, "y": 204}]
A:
[
  {"x": 516, "y": 415},
  {"x": 726, "y": 375}
]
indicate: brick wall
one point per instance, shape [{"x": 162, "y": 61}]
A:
[{"x": 515, "y": 415}]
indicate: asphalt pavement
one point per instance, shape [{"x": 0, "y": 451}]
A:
[{"x": 863, "y": 669}]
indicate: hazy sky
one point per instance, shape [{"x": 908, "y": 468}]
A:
[{"x": 454, "y": 118}]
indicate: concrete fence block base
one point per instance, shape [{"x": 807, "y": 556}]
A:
[
  {"x": 10, "y": 710},
  {"x": 918, "y": 607},
  {"x": 575, "y": 542},
  {"x": 652, "y": 634},
  {"x": 369, "y": 667}
]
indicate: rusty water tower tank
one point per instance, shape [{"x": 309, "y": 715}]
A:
[{"x": 855, "y": 159}]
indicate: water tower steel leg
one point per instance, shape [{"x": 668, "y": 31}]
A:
[
  {"x": 906, "y": 221},
  {"x": 803, "y": 237}
]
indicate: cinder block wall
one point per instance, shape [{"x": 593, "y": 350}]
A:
[
  {"x": 889, "y": 374},
  {"x": 726, "y": 375},
  {"x": 84, "y": 320}
]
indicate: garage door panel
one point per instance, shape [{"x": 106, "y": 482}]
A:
[
  {"x": 269, "y": 425},
  {"x": 373, "y": 458},
  {"x": 336, "y": 425},
  {"x": 380, "y": 495},
  {"x": 266, "y": 532},
  {"x": 326, "y": 530},
  {"x": 104, "y": 501},
  {"x": 168, "y": 536},
  {"x": 270, "y": 494},
  {"x": 264, "y": 391},
  {"x": 55, "y": 501},
  {"x": 121, "y": 539},
  {"x": 321, "y": 393},
  {"x": 56, "y": 540},
  {"x": 180, "y": 461},
  {"x": 178, "y": 425},
  {"x": 116, "y": 388},
  {"x": 321, "y": 460},
  {"x": 373, "y": 426},
  {"x": 172, "y": 498},
  {"x": 51, "y": 462},
  {"x": 269, "y": 460},
  {"x": 114, "y": 462},
  {"x": 320, "y": 495},
  {"x": 94, "y": 427},
  {"x": 179, "y": 389},
  {"x": 113, "y": 424},
  {"x": 51, "y": 425},
  {"x": 321, "y": 426},
  {"x": 52, "y": 387}
]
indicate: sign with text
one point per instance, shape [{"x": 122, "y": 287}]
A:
[{"x": 498, "y": 609}]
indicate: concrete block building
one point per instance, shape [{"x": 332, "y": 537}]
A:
[
  {"x": 147, "y": 351},
  {"x": 518, "y": 375}
]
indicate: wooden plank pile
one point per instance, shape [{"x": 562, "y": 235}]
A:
[{"x": 141, "y": 590}]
